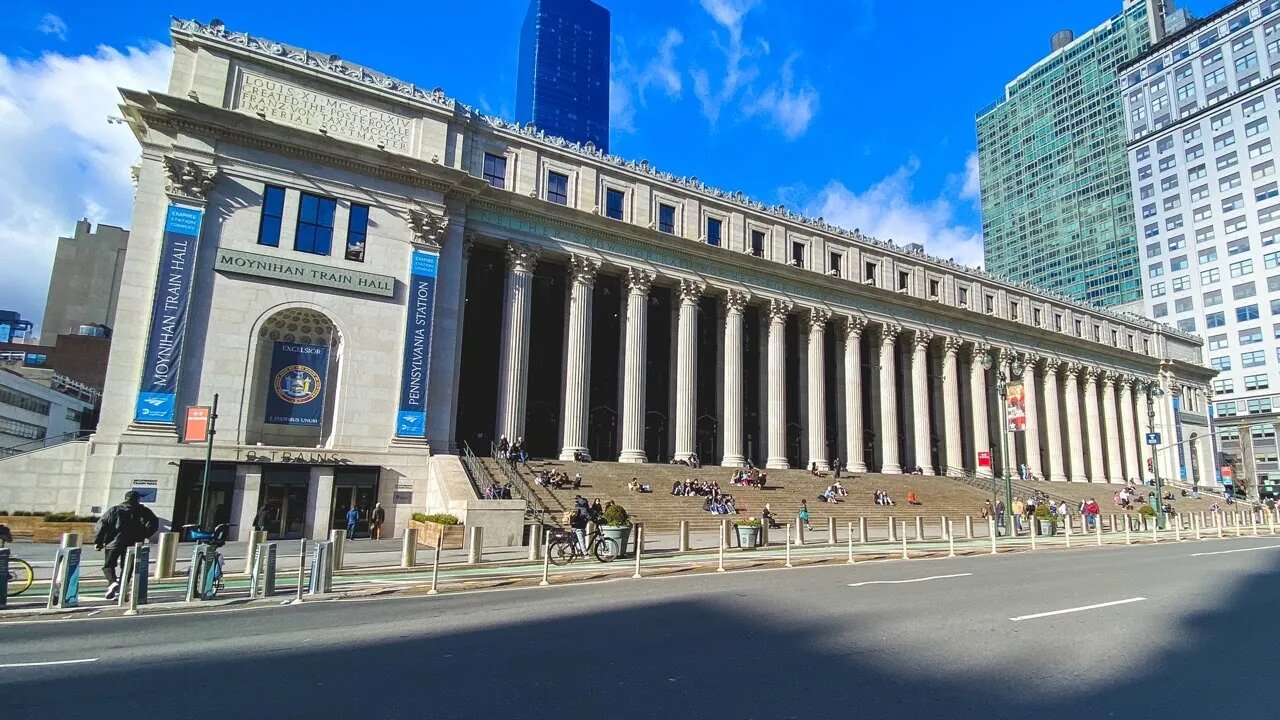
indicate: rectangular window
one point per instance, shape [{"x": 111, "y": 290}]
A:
[
  {"x": 558, "y": 188},
  {"x": 1169, "y": 183},
  {"x": 1266, "y": 192},
  {"x": 1256, "y": 358},
  {"x": 1180, "y": 283},
  {"x": 1013, "y": 310},
  {"x": 667, "y": 218},
  {"x": 1151, "y": 230},
  {"x": 1261, "y": 405},
  {"x": 1233, "y": 203},
  {"x": 869, "y": 272},
  {"x": 1257, "y": 382},
  {"x": 1195, "y": 152},
  {"x": 1271, "y": 260},
  {"x": 1178, "y": 263},
  {"x": 1197, "y": 172},
  {"x": 1238, "y": 247},
  {"x": 1266, "y": 169},
  {"x": 272, "y": 216},
  {"x": 1221, "y": 363},
  {"x": 1250, "y": 336},
  {"x": 1167, "y": 163},
  {"x": 1057, "y": 322},
  {"x": 1227, "y": 161},
  {"x": 1199, "y": 192},
  {"x": 1223, "y": 387},
  {"x": 495, "y": 170},
  {"x": 315, "y": 224},
  {"x": 989, "y": 304},
  {"x": 757, "y": 243},
  {"x": 1201, "y": 213},
  {"x": 1213, "y": 298},
  {"x": 1187, "y": 325},
  {"x": 1224, "y": 141},
  {"x": 1177, "y": 242},
  {"x": 1215, "y": 77},
  {"x": 1254, "y": 106},
  {"x": 1220, "y": 121},
  {"x": 713, "y": 231},
  {"x": 357, "y": 231},
  {"x": 1215, "y": 319},
  {"x": 1227, "y": 409},
  {"x": 1153, "y": 250},
  {"x": 797, "y": 254},
  {"x": 1155, "y": 270},
  {"x": 1157, "y": 289},
  {"x": 1184, "y": 304},
  {"x": 1259, "y": 149},
  {"x": 1241, "y": 268},
  {"x": 904, "y": 280},
  {"x": 1192, "y": 134},
  {"x": 1208, "y": 256},
  {"x": 1245, "y": 313},
  {"x": 1186, "y": 91},
  {"x": 1236, "y": 224},
  {"x": 1229, "y": 182},
  {"x": 1173, "y": 223},
  {"x": 1256, "y": 127},
  {"x": 962, "y": 297},
  {"x": 1218, "y": 342},
  {"x": 614, "y": 201},
  {"x": 1247, "y": 62},
  {"x": 834, "y": 268},
  {"x": 1210, "y": 276},
  {"x": 1147, "y": 192},
  {"x": 1160, "y": 310},
  {"x": 1143, "y": 153}
]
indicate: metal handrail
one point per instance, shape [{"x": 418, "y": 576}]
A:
[
  {"x": 535, "y": 509},
  {"x": 473, "y": 467},
  {"x": 44, "y": 443}
]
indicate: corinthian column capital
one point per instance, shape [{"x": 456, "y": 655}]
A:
[
  {"x": 522, "y": 258},
  {"x": 778, "y": 310},
  {"x": 736, "y": 301},
  {"x": 921, "y": 338},
  {"x": 583, "y": 269},
  {"x": 690, "y": 291},
  {"x": 639, "y": 281}
]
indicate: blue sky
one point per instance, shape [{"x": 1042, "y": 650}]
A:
[{"x": 861, "y": 111}]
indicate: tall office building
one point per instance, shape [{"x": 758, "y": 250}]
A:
[
  {"x": 1056, "y": 209},
  {"x": 85, "y": 283},
  {"x": 1202, "y": 124},
  {"x": 563, "y": 83}
]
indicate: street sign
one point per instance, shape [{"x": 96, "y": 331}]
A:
[
  {"x": 984, "y": 458},
  {"x": 197, "y": 425},
  {"x": 1153, "y": 438}
]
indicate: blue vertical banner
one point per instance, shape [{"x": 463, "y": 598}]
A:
[
  {"x": 297, "y": 381},
  {"x": 163, "y": 359},
  {"x": 411, "y": 419},
  {"x": 1177, "y": 426}
]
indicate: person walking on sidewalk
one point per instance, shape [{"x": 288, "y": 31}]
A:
[
  {"x": 376, "y": 518},
  {"x": 121, "y": 526},
  {"x": 804, "y": 515},
  {"x": 353, "y": 517}
]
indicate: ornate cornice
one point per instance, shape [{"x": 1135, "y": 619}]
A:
[{"x": 188, "y": 179}]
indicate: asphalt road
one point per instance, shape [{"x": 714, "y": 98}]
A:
[{"x": 1182, "y": 634}]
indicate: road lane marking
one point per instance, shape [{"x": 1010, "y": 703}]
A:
[
  {"x": 49, "y": 662},
  {"x": 1077, "y": 609},
  {"x": 1224, "y": 552},
  {"x": 914, "y": 580}
]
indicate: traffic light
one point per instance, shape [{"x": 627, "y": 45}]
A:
[{"x": 1150, "y": 467}]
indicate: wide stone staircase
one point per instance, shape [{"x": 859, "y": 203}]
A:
[{"x": 661, "y": 511}]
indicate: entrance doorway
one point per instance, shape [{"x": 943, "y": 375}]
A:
[
  {"x": 217, "y": 495},
  {"x": 356, "y": 487},
  {"x": 285, "y": 492}
]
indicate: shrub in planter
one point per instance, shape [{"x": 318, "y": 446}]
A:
[
  {"x": 616, "y": 516},
  {"x": 4, "y": 513},
  {"x": 437, "y": 518},
  {"x": 616, "y": 524},
  {"x": 749, "y": 522},
  {"x": 1146, "y": 511}
]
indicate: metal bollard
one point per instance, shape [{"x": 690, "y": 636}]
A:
[
  {"x": 138, "y": 588},
  {"x": 945, "y": 527},
  {"x": 951, "y": 539},
  {"x": 409, "y": 548},
  {"x": 1155, "y": 531},
  {"x": 1068, "y": 531},
  {"x": 1177, "y": 527},
  {"x": 1195, "y": 524},
  {"x": 788, "y": 563},
  {"x": 904, "y": 542},
  {"x": 991, "y": 531},
  {"x": 862, "y": 529},
  {"x": 1113, "y": 522},
  {"x": 1098, "y": 526},
  {"x": 255, "y": 538},
  {"x": 263, "y": 579},
  {"x": 684, "y": 536},
  {"x": 4, "y": 577},
  {"x": 475, "y": 550},
  {"x": 1271, "y": 521},
  {"x": 338, "y": 540},
  {"x": 1127, "y": 540},
  {"x": 919, "y": 528},
  {"x": 321, "y": 569},
  {"x": 1217, "y": 522},
  {"x": 167, "y": 555},
  {"x": 1032, "y": 532},
  {"x": 890, "y": 523},
  {"x": 546, "y": 560},
  {"x": 637, "y": 536},
  {"x": 724, "y": 524},
  {"x": 799, "y": 532},
  {"x": 639, "y": 549},
  {"x": 1239, "y": 530},
  {"x": 1253, "y": 520},
  {"x": 850, "y": 540},
  {"x": 764, "y": 534},
  {"x": 302, "y": 569},
  {"x": 435, "y": 564},
  {"x": 126, "y": 580},
  {"x": 968, "y": 527},
  {"x": 831, "y": 531},
  {"x": 725, "y": 539}
]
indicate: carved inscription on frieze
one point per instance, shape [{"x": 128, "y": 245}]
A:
[{"x": 340, "y": 118}]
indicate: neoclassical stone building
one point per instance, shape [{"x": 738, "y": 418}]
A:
[{"x": 368, "y": 273}]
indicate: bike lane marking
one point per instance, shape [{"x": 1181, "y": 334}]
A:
[
  {"x": 913, "y": 580},
  {"x": 1077, "y": 609},
  {"x": 47, "y": 663}
]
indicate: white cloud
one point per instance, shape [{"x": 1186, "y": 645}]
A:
[
  {"x": 728, "y": 15},
  {"x": 972, "y": 189},
  {"x": 51, "y": 24},
  {"x": 62, "y": 160},
  {"x": 791, "y": 110},
  {"x": 887, "y": 211},
  {"x": 628, "y": 83}
]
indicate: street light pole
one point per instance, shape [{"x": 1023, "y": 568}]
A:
[
  {"x": 208, "y": 460},
  {"x": 1003, "y": 391},
  {"x": 1154, "y": 392}
]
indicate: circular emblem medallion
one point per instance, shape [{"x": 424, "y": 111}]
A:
[{"x": 297, "y": 384}]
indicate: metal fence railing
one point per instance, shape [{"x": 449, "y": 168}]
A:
[{"x": 535, "y": 509}]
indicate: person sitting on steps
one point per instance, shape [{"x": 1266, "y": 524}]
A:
[{"x": 912, "y": 498}]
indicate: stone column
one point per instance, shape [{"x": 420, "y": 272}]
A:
[
  {"x": 1032, "y": 434},
  {"x": 854, "y": 431},
  {"x": 1093, "y": 417},
  {"x": 513, "y": 373},
  {"x": 1054, "y": 426},
  {"x": 577, "y": 366},
  {"x": 735, "y": 304},
  {"x": 777, "y": 458},
  {"x": 1130, "y": 442},
  {"x": 978, "y": 392},
  {"x": 1075, "y": 433},
  {"x": 889, "y": 399},
  {"x": 920, "y": 399},
  {"x": 1115, "y": 467},
  {"x": 687, "y": 368},
  {"x": 951, "y": 406},
  {"x": 817, "y": 394},
  {"x": 638, "y": 283}
]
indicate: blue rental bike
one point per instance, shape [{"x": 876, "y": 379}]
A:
[{"x": 207, "y": 565}]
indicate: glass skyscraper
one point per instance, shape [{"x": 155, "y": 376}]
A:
[
  {"x": 563, "y": 83},
  {"x": 1057, "y": 207}
]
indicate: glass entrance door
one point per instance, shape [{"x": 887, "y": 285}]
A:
[
  {"x": 285, "y": 493},
  {"x": 358, "y": 488}
]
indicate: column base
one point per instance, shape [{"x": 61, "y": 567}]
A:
[
  {"x": 1079, "y": 479},
  {"x": 860, "y": 467},
  {"x": 733, "y": 461},
  {"x": 1098, "y": 480},
  {"x": 823, "y": 465},
  {"x": 984, "y": 473},
  {"x": 777, "y": 463},
  {"x": 894, "y": 469},
  {"x": 1057, "y": 478},
  {"x": 632, "y": 456},
  {"x": 567, "y": 454}
]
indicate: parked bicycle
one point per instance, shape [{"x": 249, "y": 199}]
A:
[
  {"x": 208, "y": 563},
  {"x": 20, "y": 573},
  {"x": 564, "y": 547}
]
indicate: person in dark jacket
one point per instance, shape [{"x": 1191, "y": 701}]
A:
[
  {"x": 376, "y": 518},
  {"x": 262, "y": 518},
  {"x": 121, "y": 526}
]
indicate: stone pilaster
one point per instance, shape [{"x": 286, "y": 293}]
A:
[
  {"x": 686, "y": 399},
  {"x": 1092, "y": 414},
  {"x": 577, "y": 366},
  {"x": 817, "y": 395},
  {"x": 1115, "y": 463},
  {"x": 854, "y": 429},
  {"x": 513, "y": 373},
  {"x": 951, "y": 406},
  {"x": 920, "y": 400},
  {"x": 1075, "y": 432},
  {"x": 1032, "y": 435},
  {"x": 638, "y": 283},
  {"x": 777, "y": 457},
  {"x": 1129, "y": 439},
  {"x": 735, "y": 304},
  {"x": 1053, "y": 421},
  {"x": 890, "y": 462},
  {"x": 981, "y": 423}
]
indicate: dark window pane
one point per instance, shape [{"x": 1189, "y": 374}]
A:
[
  {"x": 713, "y": 232},
  {"x": 558, "y": 188},
  {"x": 315, "y": 224},
  {"x": 357, "y": 228},
  {"x": 495, "y": 170},
  {"x": 667, "y": 219},
  {"x": 272, "y": 213},
  {"x": 613, "y": 200}
]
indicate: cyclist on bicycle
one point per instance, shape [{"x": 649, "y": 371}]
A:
[
  {"x": 578, "y": 519},
  {"x": 121, "y": 526}
]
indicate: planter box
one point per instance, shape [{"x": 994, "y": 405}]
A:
[
  {"x": 429, "y": 532},
  {"x": 22, "y": 526},
  {"x": 51, "y": 532},
  {"x": 748, "y": 537}
]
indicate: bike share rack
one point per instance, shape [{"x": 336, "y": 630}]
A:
[
  {"x": 321, "y": 569},
  {"x": 64, "y": 589},
  {"x": 133, "y": 583},
  {"x": 202, "y": 562},
  {"x": 262, "y": 583},
  {"x": 4, "y": 577}
]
